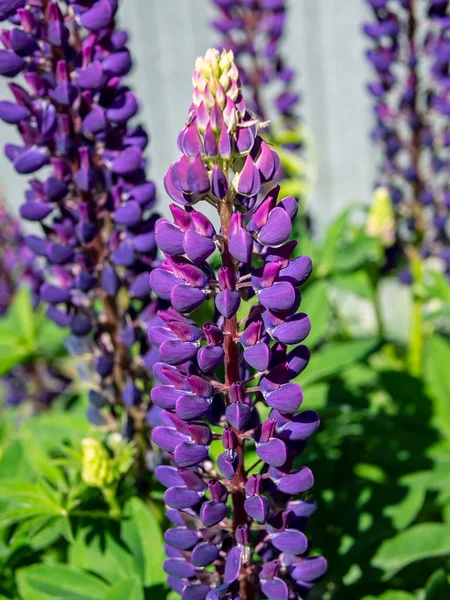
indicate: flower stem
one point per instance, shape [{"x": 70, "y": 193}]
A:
[{"x": 415, "y": 351}]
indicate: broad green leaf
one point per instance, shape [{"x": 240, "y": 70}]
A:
[
  {"x": 437, "y": 380},
  {"x": 333, "y": 236},
  {"x": 39, "y": 460},
  {"x": 425, "y": 540},
  {"x": 13, "y": 461},
  {"x": 438, "y": 587},
  {"x": 437, "y": 286},
  {"x": 103, "y": 555},
  {"x": 355, "y": 253},
  {"x": 333, "y": 358},
  {"x": 10, "y": 356},
  {"x": 317, "y": 306},
  {"x": 315, "y": 395},
  {"x": 51, "y": 582},
  {"x": 23, "y": 318},
  {"x": 130, "y": 589},
  {"x": 392, "y": 595},
  {"x": 142, "y": 534},
  {"x": 296, "y": 187},
  {"x": 404, "y": 513}
]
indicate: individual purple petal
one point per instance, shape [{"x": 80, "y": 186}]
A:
[
  {"x": 181, "y": 497},
  {"x": 227, "y": 464},
  {"x": 227, "y": 303},
  {"x": 176, "y": 352},
  {"x": 198, "y": 248},
  {"x": 54, "y": 294},
  {"x": 167, "y": 438},
  {"x": 275, "y": 589},
  {"x": 91, "y": 78},
  {"x": 297, "y": 482},
  {"x": 128, "y": 161},
  {"x": 190, "y": 407},
  {"x": 297, "y": 271},
  {"x": 195, "y": 591},
  {"x": 98, "y": 16},
  {"x": 80, "y": 325},
  {"x": 233, "y": 563},
  {"x": 35, "y": 211},
  {"x": 293, "y": 331},
  {"x": 278, "y": 297},
  {"x": 238, "y": 415},
  {"x": 277, "y": 229},
  {"x": 219, "y": 183},
  {"x": 249, "y": 180},
  {"x": 31, "y": 160},
  {"x": 309, "y": 568},
  {"x": 257, "y": 508},
  {"x": 300, "y": 427},
  {"x": 13, "y": 113},
  {"x": 210, "y": 357},
  {"x": 240, "y": 246},
  {"x": 212, "y": 513},
  {"x": 10, "y": 63},
  {"x": 189, "y": 454},
  {"x": 257, "y": 356},
  {"x": 181, "y": 538},
  {"x": 290, "y": 541},
  {"x": 129, "y": 214},
  {"x": 123, "y": 108},
  {"x": 287, "y": 399},
  {"x": 272, "y": 452},
  {"x": 178, "y": 567},
  {"x": 204, "y": 554},
  {"x": 110, "y": 281},
  {"x": 95, "y": 121},
  {"x": 140, "y": 287},
  {"x": 169, "y": 238},
  {"x": 185, "y": 298},
  {"x": 162, "y": 283}
]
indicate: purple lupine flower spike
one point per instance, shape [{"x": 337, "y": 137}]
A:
[
  {"x": 253, "y": 31},
  {"x": 411, "y": 107},
  {"x": 95, "y": 202},
  {"x": 220, "y": 373}
]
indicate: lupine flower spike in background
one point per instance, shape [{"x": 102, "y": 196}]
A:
[
  {"x": 410, "y": 58},
  {"x": 254, "y": 30},
  {"x": 94, "y": 202},
  {"x": 239, "y": 528}
]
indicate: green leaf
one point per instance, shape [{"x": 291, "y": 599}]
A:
[
  {"x": 103, "y": 555},
  {"x": 55, "y": 582},
  {"x": 425, "y": 540},
  {"x": 139, "y": 528},
  {"x": 437, "y": 380},
  {"x": 317, "y": 306},
  {"x": 404, "y": 513},
  {"x": 357, "y": 252},
  {"x": 357, "y": 282},
  {"x": 333, "y": 358},
  {"x": 333, "y": 236},
  {"x": 437, "y": 587},
  {"x": 316, "y": 395},
  {"x": 437, "y": 286},
  {"x": 392, "y": 595},
  {"x": 130, "y": 589}
]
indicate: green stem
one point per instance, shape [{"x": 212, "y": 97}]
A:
[
  {"x": 416, "y": 343},
  {"x": 109, "y": 494}
]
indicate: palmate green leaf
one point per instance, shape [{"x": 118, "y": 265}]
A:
[
  {"x": 57, "y": 581},
  {"x": 404, "y": 513},
  {"x": 425, "y": 540},
  {"x": 333, "y": 358},
  {"x": 438, "y": 587},
  {"x": 13, "y": 462},
  {"x": 316, "y": 304},
  {"x": 129, "y": 589},
  {"x": 437, "y": 380},
  {"x": 142, "y": 535}
]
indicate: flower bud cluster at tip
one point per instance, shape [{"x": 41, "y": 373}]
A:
[
  {"x": 215, "y": 545},
  {"x": 94, "y": 201},
  {"x": 411, "y": 111},
  {"x": 253, "y": 30}
]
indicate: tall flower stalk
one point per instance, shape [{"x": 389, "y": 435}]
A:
[
  {"x": 411, "y": 100},
  {"x": 94, "y": 202},
  {"x": 230, "y": 419}
]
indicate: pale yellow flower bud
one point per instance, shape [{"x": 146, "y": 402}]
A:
[{"x": 381, "y": 218}]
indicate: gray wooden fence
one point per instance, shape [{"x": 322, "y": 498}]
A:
[{"x": 324, "y": 43}]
